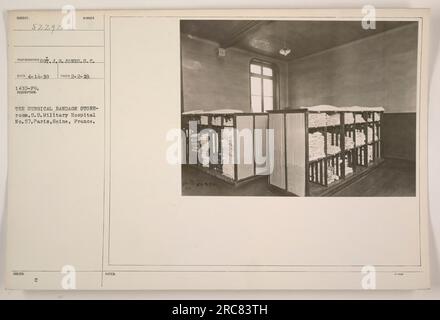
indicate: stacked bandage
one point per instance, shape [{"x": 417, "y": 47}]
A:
[{"x": 348, "y": 118}]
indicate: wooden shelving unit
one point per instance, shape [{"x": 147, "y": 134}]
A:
[
  {"x": 318, "y": 153},
  {"x": 225, "y": 145}
]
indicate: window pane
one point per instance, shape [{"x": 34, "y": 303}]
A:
[
  {"x": 256, "y": 103},
  {"x": 267, "y": 71},
  {"x": 268, "y": 103},
  {"x": 255, "y": 86},
  {"x": 255, "y": 68},
  {"x": 268, "y": 87}
]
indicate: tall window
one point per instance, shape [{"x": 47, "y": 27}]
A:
[{"x": 262, "y": 86}]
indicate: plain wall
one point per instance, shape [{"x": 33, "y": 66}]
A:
[
  {"x": 380, "y": 70},
  {"x": 211, "y": 82}
]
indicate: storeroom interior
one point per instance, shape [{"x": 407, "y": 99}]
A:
[{"x": 286, "y": 75}]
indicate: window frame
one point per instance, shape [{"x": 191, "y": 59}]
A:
[{"x": 274, "y": 78}]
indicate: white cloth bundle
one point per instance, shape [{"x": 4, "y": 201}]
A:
[
  {"x": 348, "y": 118},
  {"x": 228, "y": 121},
  {"x": 349, "y": 142},
  {"x": 228, "y": 152},
  {"x": 333, "y": 119},
  {"x": 359, "y": 118},
  {"x": 322, "y": 118},
  {"x": 217, "y": 111},
  {"x": 193, "y": 112},
  {"x": 373, "y": 109},
  {"x": 204, "y": 120},
  {"x": 360, "y": 137},
  {"x": 317, "y": 120},
  {"x": 331, "y": 174},
  {"x": 194, "y": 141},
  {"x": 316, "y": 146},
  {"x": 370, "y": 135},
  {"x": 377, "y": 116},
  {"x": 216, "y": 120},
  {"x": 204, "y": 149},
  {"x": 348, "y": 170},
  {"x": 331, "y": 148}
]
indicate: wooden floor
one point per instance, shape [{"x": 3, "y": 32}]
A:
[
  {"x": 197, "y": 183},
  {"x": 393, "y": 178}
]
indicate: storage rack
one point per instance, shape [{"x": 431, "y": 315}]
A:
[
  {"x": 342, "y": 159},
  {"x": 236, "y": 171}
]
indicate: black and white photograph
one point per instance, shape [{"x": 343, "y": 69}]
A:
[
  {"x": 299, "y": 107},
  {"x": 243, "y": 153}
]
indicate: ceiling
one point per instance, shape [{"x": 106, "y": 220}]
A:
[{"x": 268, "y": 37}]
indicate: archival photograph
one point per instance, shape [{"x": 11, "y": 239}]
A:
[{"x": 299, "y": 108}]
